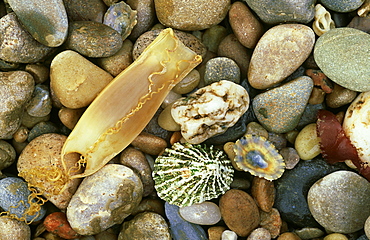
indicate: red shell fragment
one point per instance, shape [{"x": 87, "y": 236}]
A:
[{"x": 334, "y": 144}]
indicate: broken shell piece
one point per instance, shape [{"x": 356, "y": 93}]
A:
[
  {"x": 126, "y": 105},
  {"x": 188, "y": 174},
  {"x": 210, "y": 110},
  {"x": 323, "y": 22},
  {"x": 255, "y": 154}
]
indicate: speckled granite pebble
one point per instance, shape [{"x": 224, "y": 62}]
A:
[
  {"x": 342, "y": 5},
  {"x": 16, "y": 89},
  {"x": 191, "y": 15},
  {"x": 280, "y": 109},
  {"x": 146, "y": 16},
  {"x": 7, "y": 154},
  {"x": 104, "y": 199},
  {"x": 343, "y": 55},
  {"x": 12, "y": 229},
  {"x": 42, "y": 128},
  {"x": 221, "y": 68},
  {"x": 17, "y": 45},
  {"x": 48, "y": 22},
  {"x": 85, "y": 10},
  {"x": 259, "y": 234},
  {"x": 340, "y": 202},
  {"x": 271, "y": 221}
]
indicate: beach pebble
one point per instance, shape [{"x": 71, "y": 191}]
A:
[
  {"x": 290, "y": 156},
  {"x": 12, "y": 229},
  {"x": 229, "y": 235},
  {"x": 50, "y": 27},
  {"x": 150, "y": 205},
  {"x": 17, "y": 45},
  {"x": 191, "y": 16},
  {"x": 341, "y": 55},
  {"x": 245, "y": 25},
  {"x": 69, "y": 117},
  {"x": 339, "y": 97},
  {"x": 339, "y": 201},
  {"x": 16, "y": 89},
  {"x": 188, "y": 83},
  {"x": 43, "y": 154},
  {"x": 170, "y": 99},
  {"x": 212, "y": 37},
  {"x": 288, "y": 236},
  {"x": 307, "y": 143},
  {"x": 40, "y": 104},
  {"x": 280, "y": 109},
  {"x": 104, "y": 199},
  {"x": 279, "y": 52},
  {"x": 239, "y": 212},
  {"x": 205, "y": 213},
  {"x": 85, "y": 10},
  {"x": 271, "y": 221},
  {"x": 259, "y": 234},
  {"x": 221, "y": 68},
  {"x": 145, "y": 226},
  {"x": 361, "y": 23},
  {"x": 39, "y": 72},
  {"x": 309, "y": 233},
  {"x": 181, "y": 229},
  {"x": 292, "y": 189},
  {"x": 336, "y": 236},
  {"x": 166, "y": 121},
  {"x": 145, "y": 16},
  {"x": 367, "y": 227},
  {"x": 93, "y": 39},
  {"x": 272, "y": 12},
  {"x": 135, "y": 159},
  {"x": 263, "y": 192},
  {"x": 210, "y": 110},
  {"x": 57, "y": 223},
  {"x": 75, "y": 80},
  {"x": 342, "y": 5},
  {"x": 309, "y": 114},
  {"x": 14, "y": 195},
  {"x": 7, "y": 154},
  {"x": 215, "y": 232},
  {"x": 42, "y": 128},
  {"x": 149, "y": 143}
]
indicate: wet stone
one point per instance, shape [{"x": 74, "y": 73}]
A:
[
  {"x": 188, "y": 83},
  {"x": 77, "y": 10},
  {"x": 205, "y": 213},
  {"x": 342, "y": 5},
  {"x": 40, "y": 104},
  {"x": 229, "y": 235},
  {"x": 13, "y": 192},
  {"x": 16, "y": 89},
  {"x": 221, "y": 68},
  {"x": 149, "y": 205},
  {"x": 307, "y": 143},
  {"x": 48, "y": 23},
  {"x": 215, "y": 232},
  {"x": 42, "y": 128},
  {"x": 13, "y": 229},
  {"x": 360, "y": 23},
  {"x": 17, "y": 45},
  {"x": 39, "y": 72},
  {"x": 212, "y": 37},
  {"x": 149, "y": 143},
  {"x": 93, "y": 39},
  {"x": 273, "y": 12},
  {"x": 7, "y": 154},
  {"x": 309, "y": 114}
]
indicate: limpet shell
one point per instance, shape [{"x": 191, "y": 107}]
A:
[
  {"x": 255, "y": 154},
  {"x": 188, "y": 174}
]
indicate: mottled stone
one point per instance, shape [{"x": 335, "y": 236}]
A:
[
  {"x": 271, "y": 221},
  {"x": 75, "y": 80},
  {"x": 279, "y": 109},
  {"x": 290, "y": 156},
  {"x": 245, "y": 25},
  {"x": 103, "y": 199},
  {"x": 58, "y": 224},
  {"x": 292, "y": 189},
  {"x": 14, "y": 194},
  {"x": 17, "y": 45},
  {"x": 16, "y": 89},
  {"x": 145, "y": 16},
  {"x": 221, "y": 68},
  {"x": 85, "y": 10},
  {"x": 259, "y": 234},
  {"x": 42, "y": 128},
  {"x": 343, "y": 55},
  {"x": 339, "y": 201},
  {"x": 12, "y": 229},
  {"x": 279, "y": 52},
  {"x": 205, "y": 213},
  {"x": 263, "y": 192},
  {"x": 93, "y": 39},
  {"x": 191, "y": 15},
  {"x": 181, "y": 229},
  {"x": 7, "y": 154},
  {"x": 342, "y": 5},
  {"x": 239, "y": 212},
  {"x": 145, "y": 226},
  {"x": 48, "y": 22},
  {"x": 273, "y": 12},
  {"x": 215, "y": 232}
]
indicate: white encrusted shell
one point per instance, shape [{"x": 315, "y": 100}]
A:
[
  {"x": 210, "y": 110},
  {"x": 323, "y": 22},
  {"x": 188, "y": 174}
]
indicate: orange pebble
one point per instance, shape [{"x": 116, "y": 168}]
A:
[{"x": 57, "y": 223}]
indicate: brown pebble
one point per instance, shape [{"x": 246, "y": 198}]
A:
[
  {"x": 39, "y": 72},
  {"x": 229, "y": 150},
  {"x": 340, "y": 96},
  {"x": 215, "y": 232},
  {"x": 271, "y": 221},
  {"x": 175, "y": 137},
  {"x": 259, "y": 234},
  {"x": 255, "y": 128},
  {"x": 149, "y": 205},
  {"x": 290, "y": 156},
  {"x": 239, "y": 211},
  {"x": 21, "y": 134},
  {"x": 69, "y": 117},
  {"x": 263, "y": 192},
  {"x": 317, "y": 96},
  {"x": 149, "y": 143},
  {"x": 145, "y": 16},
  {"x": 288, "y": 236}
]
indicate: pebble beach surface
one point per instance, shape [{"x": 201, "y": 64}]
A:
[{"x": 250, "y": 122}]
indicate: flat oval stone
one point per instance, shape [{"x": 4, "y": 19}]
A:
[
  {"x": 13, "y": 229},
  {"x": 279, "y": 52},
  {"x": 340, "y": 201},
  {"x": 221, "y": 68},
  {"x": 17, "y": 45},
  {"x": 280, "y": 109},
  {"x": 48, "y": 23},
  {"x": 342, "y": 5},
  {"x": 191, "y": 15},
  {"x": 103, "y": 199},
  {"x": 343, "y": 55},
  {"x": 205, "y": 213},
  {"x": 93, "y": 39}
]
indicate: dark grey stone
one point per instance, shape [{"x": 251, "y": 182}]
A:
[{"x": 342, "y": 5}]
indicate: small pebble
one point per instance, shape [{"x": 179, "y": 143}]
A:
[
  {"x": 188, "y": 83},
  {"x": 288, "y": 236},
  {"x": 108, "y": 234},
  {"x": 342, "y": 5},
  {"x": 309, "y": 233},
  {"x": 271, "y": 221},
  {"x": 149, "y": 205},
  {"x": 213, "y": 36},
  {"x": 69, "y": 117},
  {"x": 215, "y": 232},
  {"x": 229, "y": 235},
  {"x": 361, "y": 23},
  {"x": 340, "y": 96},
  {"x": 309, "y": 115},
  {"x": 367, "y": 227},
  {"x": 205, "y": 213},
  {"x": 149, "y": 143},
  {"x": 57, "y": 223},
  {"x": 263, "y": 192},
  {"x": 39, "y": 72},
  {"x": 12, "y": 229},
  {"x": 317, "y": 96},
  {"x": 221, "y": 68},
  {"x": 42, "y": 128},
  {"x": 277, "y": 139},
  {"x": 259, "y": 234},
  {"x": 7, "y": 154},
  {"x": 335, "y": 236},
  {"x": 170, "y": 98},
  {"x": 290, "y": 156},
  {"x": 40, "y": 104},
  {"x": 21, "y": 134},
  {"x": 291, "y": 136},
  {"x": 145, "y": 16},
  {"x": 77, "y": 10},
  {"x": 307, "y": 143},
  {"x": 255, "y": 128},
  {"x": 240, "y": 183}
]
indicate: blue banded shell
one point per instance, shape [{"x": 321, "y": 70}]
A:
[
  {"x": 255, "y": 154},
  {"x": 188, "y": 174}
]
